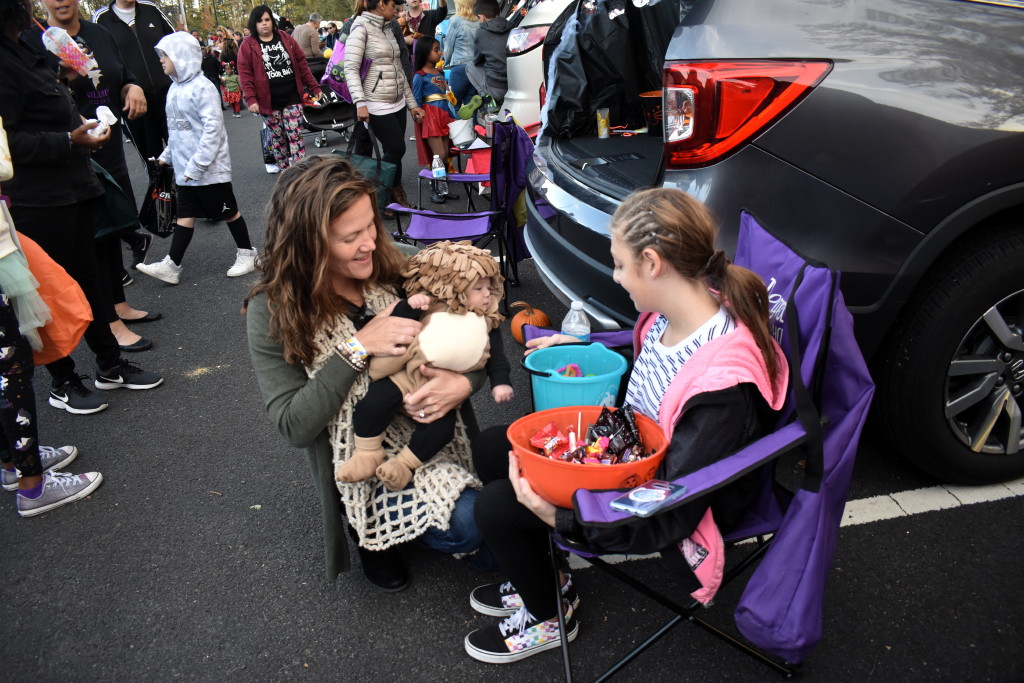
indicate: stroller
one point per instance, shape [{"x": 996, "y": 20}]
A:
[{"x": 333, "y": 114}]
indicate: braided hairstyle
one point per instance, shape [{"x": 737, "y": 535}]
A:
[{"x": 682, "y": 231}]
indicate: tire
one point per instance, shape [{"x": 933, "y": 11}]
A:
[{"x": 954, "y": 373}]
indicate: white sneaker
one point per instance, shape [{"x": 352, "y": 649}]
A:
[
  {"x": 165, "y": 270},
  {"x": 272, "y": 168},
  {"x": 245, "y": 263}
]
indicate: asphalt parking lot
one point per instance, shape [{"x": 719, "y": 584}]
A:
[{"x": 200, "y": 557}]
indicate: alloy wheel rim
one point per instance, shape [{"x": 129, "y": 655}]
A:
[{"x": 984, "y": 388}]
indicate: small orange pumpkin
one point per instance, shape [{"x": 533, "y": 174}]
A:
[{"x": 528, "y": 316}]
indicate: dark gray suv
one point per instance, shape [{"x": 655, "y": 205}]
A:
[{"x": 884, "y": 137}]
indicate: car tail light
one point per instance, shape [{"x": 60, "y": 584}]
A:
[
  {"x": 542, "y": 94},
  {"x": 710, "y": 108},
  {"x": 522, "y": 40}
]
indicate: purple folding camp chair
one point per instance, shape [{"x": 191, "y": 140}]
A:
[
  {"x": 510, "y": 150},
  {"x": 780, "y": 610}
]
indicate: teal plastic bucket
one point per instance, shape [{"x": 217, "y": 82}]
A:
[{"x": 551, "y": 390}]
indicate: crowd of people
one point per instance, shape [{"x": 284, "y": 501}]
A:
[{"x": 365, "y": 351}]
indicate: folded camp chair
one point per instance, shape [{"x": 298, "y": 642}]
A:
[
  {"x": 781, "y": 607},
  {"x": 496, "y": 225}
]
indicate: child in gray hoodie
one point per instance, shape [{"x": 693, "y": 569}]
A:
[{"x": 197, "y": 148}]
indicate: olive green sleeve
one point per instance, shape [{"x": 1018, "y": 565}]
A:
[{"x": 301, "y": 407}]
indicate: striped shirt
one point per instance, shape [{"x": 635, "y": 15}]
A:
[{"x": 657, "y": 364}]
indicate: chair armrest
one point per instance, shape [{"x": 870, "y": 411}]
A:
[
  {"x": 594, "y": 507},
  {"x": 426, "y": 213},
  {"x": 425, "y": 174}
]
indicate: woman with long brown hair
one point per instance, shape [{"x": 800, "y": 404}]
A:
[
  {"x": 329, "y": 280},
  {"x": 707, "y": 370}
]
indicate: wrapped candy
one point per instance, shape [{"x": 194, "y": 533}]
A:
[
  {"x": 550, "y": 441},
  {"x": 612, "y": 439},
  {"x": 57, "y": 41}
]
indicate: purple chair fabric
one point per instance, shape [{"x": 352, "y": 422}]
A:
[
  {"x": 781, "y": 607},
  {"x": 511, "y": 149}
]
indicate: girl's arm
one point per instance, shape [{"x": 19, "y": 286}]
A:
[
  {"x": 207, "y": 104},
  {"x": 418, "y": 84}
]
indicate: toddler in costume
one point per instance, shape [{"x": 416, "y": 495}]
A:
[
  {"x": 232, "y": 88},
  {"x": 431, "y": 93},
  {"x": 459, "y": 286}
]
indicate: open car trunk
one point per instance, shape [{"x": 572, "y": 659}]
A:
[
  {"x": 605, "y": 53},
  {"x": 615, "y": 166}
]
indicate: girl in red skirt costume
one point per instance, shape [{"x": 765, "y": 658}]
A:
[
  {"x": 232, "y": 88},
  {"x": 431, "y": 93}
]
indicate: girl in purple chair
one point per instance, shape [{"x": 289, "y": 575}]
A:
[{"x": 707, "y": 370}]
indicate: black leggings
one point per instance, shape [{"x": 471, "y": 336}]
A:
[
  {"x": 19, "y": 434},
  {"x": 516, "y": 536},
  {"x": 389, "y": 129},
  {"x": 374, "y": 412},
  {"x": 66, "y": 234}
]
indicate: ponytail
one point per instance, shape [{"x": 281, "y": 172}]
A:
[{"x": 746, "y": 297}]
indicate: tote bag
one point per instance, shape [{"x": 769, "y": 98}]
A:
[
  {"x": 68, "y": 305},
  {"x": 159, "y": 206},
  {"x": 380, "y": 173}
]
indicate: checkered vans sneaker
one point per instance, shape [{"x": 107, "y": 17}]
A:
[
  {"x": 519, "y": 636},
  {"x": 49, "y": 457},
  {"x": 502, "y": 599}
]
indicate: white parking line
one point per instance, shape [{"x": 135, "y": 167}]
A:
[
  {"x": 890, "y": 506},
  {"x": 906, "y": 503}
]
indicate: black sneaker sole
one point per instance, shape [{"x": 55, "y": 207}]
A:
[{"x": 63, "y": 405}]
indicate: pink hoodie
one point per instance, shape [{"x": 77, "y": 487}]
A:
[{"x": 724, "y": 362}]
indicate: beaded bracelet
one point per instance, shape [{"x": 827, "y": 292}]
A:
[
  {"x": 356, "y": 349},
  {"x": 353, "y": 362}
]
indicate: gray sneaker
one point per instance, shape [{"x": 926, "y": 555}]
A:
[
  {"x": 59, "y": 488},
  {"x": 49, "y": 457}
]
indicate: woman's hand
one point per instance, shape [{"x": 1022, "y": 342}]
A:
[
  {"x": 418, "y": 114},
  {"x": 387, "y": 335},
  {"x": 254, "y": 108},
  {"x": 550, "y": 340},
  {"x": 544, "y": 510},
  {"x": 80, "y": 136},
  {"x": 362, "y": 113},
  {"x": 134, "y": 101},
  {"x": 444, "y": 392}
]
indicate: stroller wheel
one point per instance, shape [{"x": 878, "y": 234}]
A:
[{"x": 319, "y": 142}]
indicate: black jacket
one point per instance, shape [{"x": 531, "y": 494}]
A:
[
  {"x": 138, "y": 43},
  {"x": 38, "y": 113}
]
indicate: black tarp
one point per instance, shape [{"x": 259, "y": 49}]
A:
[{"x": 606, "y": 53}]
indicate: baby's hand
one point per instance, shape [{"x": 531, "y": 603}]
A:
[
  {"x": 502, "y": 393},
  {"x": 420, "y": 301}
]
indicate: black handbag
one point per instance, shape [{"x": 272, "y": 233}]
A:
[
  {"x": 379, "y": 172},
  {"x": 160, "y": 203}
]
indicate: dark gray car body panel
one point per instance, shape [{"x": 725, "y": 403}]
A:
[{"x": 913, "y": 139}]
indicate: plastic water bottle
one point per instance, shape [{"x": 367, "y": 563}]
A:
[
  {"x": 576, "y": 323},
  {"x": 440, "y": 173}
]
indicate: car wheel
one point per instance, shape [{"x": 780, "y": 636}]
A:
[{"x": 952, "y": 385}]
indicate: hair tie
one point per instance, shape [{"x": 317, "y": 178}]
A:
[{"x": 715, "y": 266}]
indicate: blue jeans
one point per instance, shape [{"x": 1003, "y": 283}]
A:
[
  {"x": 462, "y": 535},
  {"x": 460, "y": 85}
]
